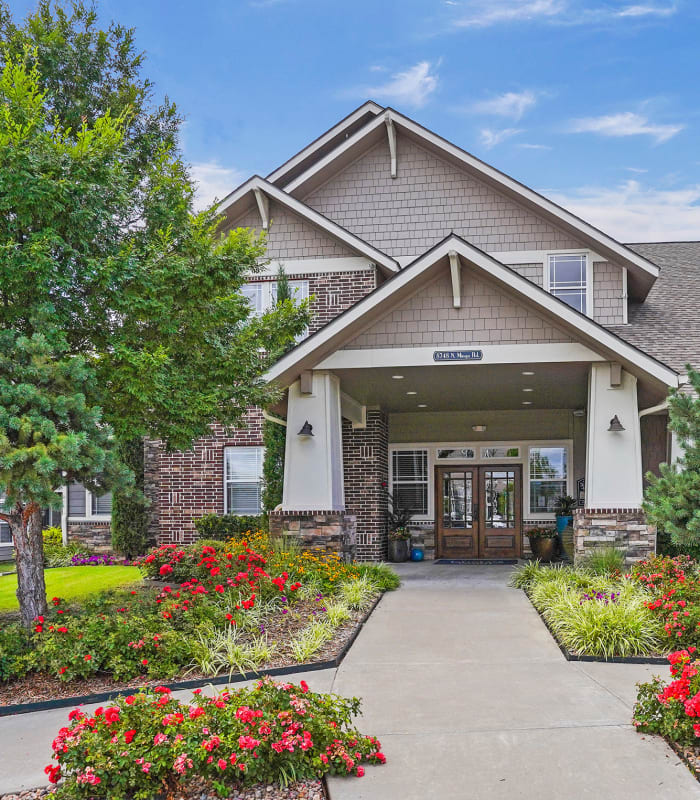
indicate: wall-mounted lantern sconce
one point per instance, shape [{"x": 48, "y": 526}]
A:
[
  {"x": 615, "y": 425},
  {"x": 307, "y": 430}
]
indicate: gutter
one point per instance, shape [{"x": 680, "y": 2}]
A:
[
  {"x": 653, "y": 409},
  {"x": 271, "y": 418}
]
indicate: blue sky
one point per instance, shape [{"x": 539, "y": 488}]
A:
[{"x": 592, "y": 102}]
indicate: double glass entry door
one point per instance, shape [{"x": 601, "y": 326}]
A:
[{"x": 478, "y": 512}]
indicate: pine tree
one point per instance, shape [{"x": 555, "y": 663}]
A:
[{"x": 672, "y": 499}]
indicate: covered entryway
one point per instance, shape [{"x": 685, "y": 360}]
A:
[{"x": 480, "y": 511}]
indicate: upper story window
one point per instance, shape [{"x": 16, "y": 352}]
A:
[
  {"x": 262, "y": 295},
  {"x": 243, "y": 480},
  {"x": 567, "y": 279}
]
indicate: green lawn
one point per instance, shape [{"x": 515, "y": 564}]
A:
[{"x": 71, "y": 583}]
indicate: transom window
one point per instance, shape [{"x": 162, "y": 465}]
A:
[
  {"x": 409, "y": 480},
  {"x": 568, "y": 279},
  {"x": 243, "y": 480},
  {"x": 548, "y": 478}
]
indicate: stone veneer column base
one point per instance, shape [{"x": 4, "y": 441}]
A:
[
  {"x": 96, "y": 536},
  {"x": 330, "y": 531},
  {"x": 625, "y": 529}
]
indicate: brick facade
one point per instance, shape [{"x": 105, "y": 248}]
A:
[
  {"x": 366, "y": 473},
  {"x": 622, "y": 528}
]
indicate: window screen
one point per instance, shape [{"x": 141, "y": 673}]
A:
[
  {"x": 102, "y": 504},
  {"x": 76, "y": 500},
  {"x": 243, "y": 477},
  {"x": 409, "y": 480}
]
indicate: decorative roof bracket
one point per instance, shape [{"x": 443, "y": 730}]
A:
[
  {"x": 391, "y": 132},
  {"x": 263, "y": 207},
  {"x": 456, "y": 271}
]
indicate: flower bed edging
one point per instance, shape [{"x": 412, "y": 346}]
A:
[
  {"x": 596, "y": 659},
  {"x": 102, "y": 697}
]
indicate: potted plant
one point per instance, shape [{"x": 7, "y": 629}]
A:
[
  {"x": 564, "y": 508},
  {"x": 543, "y": 543},
  {"x": 399, "y": 534}
]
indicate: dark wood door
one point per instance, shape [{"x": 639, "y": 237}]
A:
[
  {"x": 500, "y": 504},
  {"x": 456, "y": 512},
  {"x": 478, "y": 511}
]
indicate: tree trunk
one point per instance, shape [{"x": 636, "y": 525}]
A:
[{"x": 26, "y": 526}]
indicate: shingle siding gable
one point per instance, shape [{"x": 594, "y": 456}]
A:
[{"x": 406, "y": 215}]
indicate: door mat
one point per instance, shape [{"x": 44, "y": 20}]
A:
[{"x": 476, "y": 562}]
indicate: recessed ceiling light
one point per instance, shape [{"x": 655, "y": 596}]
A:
[
  {"x": 422, "y": 405},
  {"x": 527, "y": 402},
  {"x": 528, "y": 390},
  {"x": 479, "y": 428},
  {"x": 411, "y": 392},
  {"x": 528, "y": 373},
  {"x": 397, "y": 377}
]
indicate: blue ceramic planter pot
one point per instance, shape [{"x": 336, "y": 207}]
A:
[
  {"x": 563, "y": 522},
  {"x": 417, "y": 554}
]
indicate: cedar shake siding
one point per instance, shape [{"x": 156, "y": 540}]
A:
[
  {"x": 487, "y": 316},
  {"x": 406, "y": 215},
  {"x": 292, "y": 236},
  {"x": 608, "y": 302}
]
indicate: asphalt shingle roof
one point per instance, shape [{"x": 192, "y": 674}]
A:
[{"x": 667, "y": 324}]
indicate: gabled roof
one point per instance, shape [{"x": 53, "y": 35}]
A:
[
  {"x": 667, "y": 323},
  {"x": 325, "y": 143},
  {"x": 239, "y": 201},
  {"x": 380, "y": 302},
  {"x": 641, "y": 271}
]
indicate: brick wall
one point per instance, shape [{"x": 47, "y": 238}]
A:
[
  {"x": 487, "y": 316},
  {"x": 406, "y": 215},
  {"x": 190, "y": 483},
  {"x": 366, "y": 468}
]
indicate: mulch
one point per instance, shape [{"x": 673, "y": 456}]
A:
[
  {"x": 301, "y": 790},
  {"x": 281, "y": 628},
  {"x": 690, "y": 755}
]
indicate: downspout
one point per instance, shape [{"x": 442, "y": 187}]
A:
[
  {"x": 271, "y": 418},
  {"x": 653, "y": 409}
]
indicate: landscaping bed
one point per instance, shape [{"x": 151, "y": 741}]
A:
[
  {"x": 231, "y": 608},
  {"x": 597, "y": 612}
]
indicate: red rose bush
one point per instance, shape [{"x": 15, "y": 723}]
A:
[{"x": 148, "y": 745}]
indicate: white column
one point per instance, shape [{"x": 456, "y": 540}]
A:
[
  {"x": 613, "y": 459},
  {"x": 313, "y": 465}
]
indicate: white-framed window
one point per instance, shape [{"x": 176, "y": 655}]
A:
[
  {"x": 243, "y": 480},
  {"x": 83, "y": 504},
  {"x": 410, "y": 480},
  {"x": 262, "y": 295},
  {"x": 548, "y": 469},
  {"x": 567, "y": 276}
]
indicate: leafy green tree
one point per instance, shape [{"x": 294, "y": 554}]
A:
[
  {"x": 672, "y": 499},
  {"x": 101, "y": 253}
]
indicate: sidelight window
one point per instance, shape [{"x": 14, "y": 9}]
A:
[{"x": 548, "y": 478}]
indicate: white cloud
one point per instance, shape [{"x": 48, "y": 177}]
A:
[
  {"x": 527, "y": 146},
  {"x": 411, "y": 88},
  {"x": 638, "y": 170},
  {"x": 490, "y": 138},
  {"x": 635, "y": 213},
  {"x": 626, "y": 123},
  {"x": 213, "y": 182},
  {"x": 484, "y": 13},
  {"x": 509, "y": 104},
  {"x": 647, "y": 11}
]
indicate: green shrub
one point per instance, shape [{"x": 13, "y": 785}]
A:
[
  {"x": 605, "y": 561},
  {"x": 381, "y": 575},
  {"x": 55, "y": 554},
  {"x": 129, "y": 505},
  {"x": 306, "y": 644},
  {"x": 358, "y": 593},
  {"x": 228, "y": 526},
  {"x": 268, "y": 733},
  {"x": 608, "y": 622},
  {"x": 52, "y": 537},
  {"x": 15, "y": 647}
]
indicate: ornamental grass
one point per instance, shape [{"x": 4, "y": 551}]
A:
[{"x": 150, "y": 745}]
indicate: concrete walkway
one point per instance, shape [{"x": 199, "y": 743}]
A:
[{"x": 472, "y": 699}]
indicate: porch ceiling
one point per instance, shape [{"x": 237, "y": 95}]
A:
[
  {"x": 467, "y": 387},
  {"x": 476, "y": 387}
]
